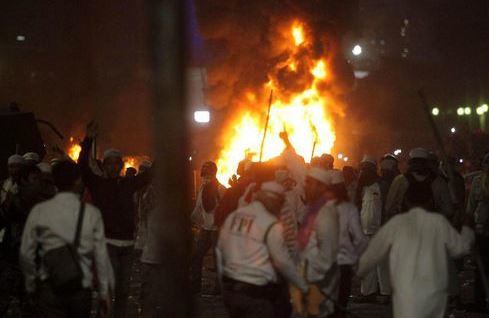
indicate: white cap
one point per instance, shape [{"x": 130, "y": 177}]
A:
[
  {"x": 337, "y": 177},
  {"x": 419, "y": 153},
  {"x": 31, "y": 156},
  {"x": 388, "y": 164},
  {"x": 15, "y": 159},
  {"x": 112, "y": 153},
  {"x": 320, "y": 175},
  {"x": 45, "y": 167},
  {"x": 273, "y": 187},
  {"x": 369, "y": 159}
]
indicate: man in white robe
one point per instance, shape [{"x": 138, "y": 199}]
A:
[{"x": 418, "y": 244}]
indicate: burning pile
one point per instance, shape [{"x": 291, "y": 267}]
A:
[{"x": 302, "y": 105}]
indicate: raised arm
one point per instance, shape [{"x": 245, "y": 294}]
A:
[{"x": 84, "y": 159}]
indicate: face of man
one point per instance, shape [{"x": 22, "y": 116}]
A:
[
  {"x": 14, "y": 170},
  {"x": 113, "y": 167},
  {"x": 313, "y": 189},
  {"x": 273, "y": 203}
]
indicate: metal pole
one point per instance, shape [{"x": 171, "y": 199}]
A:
[
  {"x": 167, "y": 32},
  {"x": 266, "y": 125}
]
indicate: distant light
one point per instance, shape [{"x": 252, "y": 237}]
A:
[
  {"x": 435, "y": 111},
  {"x": 20, "y": 38},
  {"x": 467, "y": 110},
  {"x": 190, "y": 158},
  {"x": 485, "y": 108},
  {"x": 460, "y": 111},
  {"x": 360, "y": 74},
  {"x": 480, "y": 111},
  {"x": 397, "y": 152},
  {"x": 357, "y": 50},
  {"x": 461, "y": 161},
  {"x": 340, "y": 156},
  {"x": 345, "y": 159},
  {"x": 453, "y": 130},
  {"x": 202, "y": 116}
]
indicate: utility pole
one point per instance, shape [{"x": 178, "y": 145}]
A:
[{"x": 167, "y": 36}]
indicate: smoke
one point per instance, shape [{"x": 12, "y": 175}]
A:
[{"x": 245, "y": 43}]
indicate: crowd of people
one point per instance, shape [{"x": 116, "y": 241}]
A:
[{"x": 288, "y": 237}]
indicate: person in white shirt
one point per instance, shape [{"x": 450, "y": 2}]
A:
[
  {"x": 352, "y": 242},
  {"x": 202, "y": 217},
  {"x": 52, "y": 224},
  {"x": 418, "y": 245},
  {"x": 369, "y": 201},
  {"x": 252, "y": 255}
]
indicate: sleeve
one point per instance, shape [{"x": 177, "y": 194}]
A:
[
  {"x": 143, "y": 179},
  {"x": 377, "y": 249},
  {"x": 103, "y": 266},
  {"x": 359, "y": 240},
  {"x": 89, "y": 178},
  {"x": 327, "y": 239},
  {"x": 281, "y": 258},
  {"x": 28, "y": 250},
  {"x": 458, "y": 244}
]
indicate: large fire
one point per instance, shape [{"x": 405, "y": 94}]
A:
[
  {"x": 74, "y": 149},
  {"x": 305, "y": 115}
]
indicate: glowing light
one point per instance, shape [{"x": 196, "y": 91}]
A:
[
  {"x": 485, "y": 107},
  {"x": 345, "y": 159},
  {"x": 298, "y": 33},
  {"x": 460, "y": 111},
  {"x": 467, "y": 110},
  {"x": 202, "y": 116},
  {"x": 340, "y": 155},
  {"x": 481, "y": 110},
  {"x": 461, "y": 161},
  {"x": 435, "y": 111},
  {"x": 397, "y": 152},
  {"x": 453, "y": 130},
  {"x": 20, "y": 38},
  {"x": 357, "y": 50}
]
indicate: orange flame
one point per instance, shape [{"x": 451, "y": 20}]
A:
[
  {"x": 305, "y": 115},
  {"x": 74, "y": 150}
]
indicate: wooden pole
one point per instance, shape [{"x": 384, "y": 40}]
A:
[
  {"x": 171, "y": 181},
  {"x": 266, "y": 125}
]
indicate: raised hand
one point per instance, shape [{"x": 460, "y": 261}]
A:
[{"x": 92, "y": 129}]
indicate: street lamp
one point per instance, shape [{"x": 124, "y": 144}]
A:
[
  {"x": 460, "y": 111},
  {"x": 202, "y": 116},
  {"x": 467, "y": 110},
  {"x": 435, "y": 111},
  {"x": 453, "y": 130},
  {"x": 357, "y": 50}
]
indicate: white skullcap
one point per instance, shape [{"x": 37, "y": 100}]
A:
[
  {"x": 320, "y": 175},
  {"x": 45, "y": 167},
  {"x": 369, "y": 159},
  {"x": 419, "y": 153},
  {"x": 146, "y": 164},
  {"x": 273, "y": 187},
  {"x": 15, "y": 159},
  {"x": 337, "y": 177},
  {"x": 31, "y": 156},
  {"x": 112, "y": 153}
]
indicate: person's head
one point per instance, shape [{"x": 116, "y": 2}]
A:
[
  {"x": 113, "y": 163},
  {"x": 433, "y": 162},
  {"x": 327, "y": 161},
  {"x": 419, "y": 194},
  {"x": 31, "y": 158},
  {"x": 349, "y": 174},
  {"x": 337, "y": 190},
  {"x": 317, "y": 181},
  {"x": 131, "y": 172},
  {"x": 30, "y": 175},
  {"x": 15, "y": 164},
  {"x": 67, "y": 177},
  {"x": 368, "y": 172},
  {"x": 271, "y": 195},
  {"x": 208, "y": 171},
  {"x": 145, "y": 166},
  {"x": 389, "y": 166},
  {"x": 419, "y": 162}
]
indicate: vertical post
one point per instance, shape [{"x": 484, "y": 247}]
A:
[
  {"x": 266, "y": 125},
  {"x": 167, "y": 31}
]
